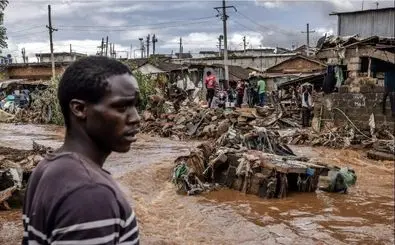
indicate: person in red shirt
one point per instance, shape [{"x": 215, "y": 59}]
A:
[{"x": 210, "y": 83}]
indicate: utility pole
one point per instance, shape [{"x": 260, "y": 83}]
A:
[
  {"x": 154, "y": 40},
  {"x": 148, "y": 42},
  {"x": 308, "y": 38},
  {"x": 224, "y": 18},
  {"x": 141, "y": 47},
  {"x": 51, "y": 30},
  {"x": 244, "y": 43},
  {"x": 102, "y": 47},
  {"x": 107, "y": 46},
  {"x": 180, "y": 52},
  {"x": 71, "y": 50},
  {"x": 23, "y": 55}
]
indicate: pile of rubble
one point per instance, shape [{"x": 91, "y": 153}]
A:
[
  {"x": 254, "y": 163},
  {"x": 194, "y": 121},
  {"x": 15, "y": 169},
  {"x": 381, "y": 143}
]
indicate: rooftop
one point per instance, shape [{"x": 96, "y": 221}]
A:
[
  {"x": 61, "y": 53},
  {"x": 363, "y": 11}
]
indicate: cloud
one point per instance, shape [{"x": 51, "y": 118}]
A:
[
  {"x": 83, "y": 23},
  {"x": 123, "y": 9}
]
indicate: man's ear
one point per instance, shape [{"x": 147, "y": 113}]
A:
[{"x": 78, "y": 108}]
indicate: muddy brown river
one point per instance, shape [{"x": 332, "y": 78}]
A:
[{"x": 364, "y": 216}]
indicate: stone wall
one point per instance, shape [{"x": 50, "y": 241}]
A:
[{"x": 357, "y": 105}]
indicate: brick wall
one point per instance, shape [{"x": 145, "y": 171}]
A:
[{"x": 358, "y": 106}]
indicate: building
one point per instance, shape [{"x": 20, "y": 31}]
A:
[
  {"x": 294, "y": 69},
  {"x": 366, "y": 23},
  {"x": 256, "y": 62},
  {"x": 59, "y": 57},
  {"x": 34, "y": 71},
  {"x": 5, "y": 60}
]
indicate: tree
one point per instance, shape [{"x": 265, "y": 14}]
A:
[{"x": 3, "y": 36}]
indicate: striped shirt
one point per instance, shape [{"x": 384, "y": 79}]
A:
[{"x": 70, "y": 200}]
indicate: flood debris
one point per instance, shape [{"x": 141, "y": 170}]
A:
[
  {"x": 15, "y": 169},
  {"x": 338, "y": 180},
  {"x": 381, "y": 143},
  {"x": 193, "y": 121},
  {"x": 253, "y": 163}
]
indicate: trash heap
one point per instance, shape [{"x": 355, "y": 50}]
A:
[
  {"x": 254, "y": 163},
  {"x": 380, "y": 143},
  {"x": 15, "y": 169},
  {"x": 194, "y": 121}
]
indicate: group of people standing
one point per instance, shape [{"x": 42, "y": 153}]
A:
[{"x": 255, "y": 88}]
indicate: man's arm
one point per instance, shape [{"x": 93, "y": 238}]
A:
[{"x": 92, "y": 215}]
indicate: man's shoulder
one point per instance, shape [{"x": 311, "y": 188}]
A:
[{"x": 59, "y": 169}]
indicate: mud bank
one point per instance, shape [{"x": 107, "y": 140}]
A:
[{"x": 364, "y": 216}]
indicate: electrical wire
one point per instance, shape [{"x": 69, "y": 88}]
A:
[
  {"x": 248, "y": 28},
  {"x": 144, "y": 25},
  {"x": 128, "y": 29},
  {"x": 26, "y": 29},
  {"x": 252, "y": 21}
]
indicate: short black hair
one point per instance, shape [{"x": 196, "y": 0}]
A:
[
  {"x": 86, "y": 79},
  {"x": 208, "y": 73}
]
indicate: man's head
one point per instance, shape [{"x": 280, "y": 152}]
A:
[
  {"x": 208, "y": 73},
  {"x": 98, "y": 97}
]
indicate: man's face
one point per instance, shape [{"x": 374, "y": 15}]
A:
[{"x": 114, "y": 121}]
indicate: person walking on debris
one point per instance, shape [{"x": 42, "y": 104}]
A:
[
  {"x": 210, "y": 83},
  {"x": 261, "y": 91},
  {"x": 389, "y": 91},
  {"x": 307, "y": 105},
  {"x": 240, "y": 93},
  {"x": 70, "y": 198}
]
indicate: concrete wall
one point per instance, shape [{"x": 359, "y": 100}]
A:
[
  {"x": 33, "y": 72},
  {"x": 366, "y": 24},
  {"x": 253, "y": 62},
  {"x": 357, "y": 106},
  {"x": 58, "y": 58}
]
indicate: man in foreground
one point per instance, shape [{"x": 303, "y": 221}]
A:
[{"x": 70, "y": 198}]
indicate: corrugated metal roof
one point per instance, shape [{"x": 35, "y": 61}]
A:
[{"x": 363, "y": 11}]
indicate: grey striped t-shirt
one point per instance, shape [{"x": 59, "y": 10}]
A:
[{"x": 70, "y": 200}]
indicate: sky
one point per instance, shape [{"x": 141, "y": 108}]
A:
[{"x": 83, "y": 24}]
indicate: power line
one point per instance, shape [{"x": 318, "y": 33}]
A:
[
  {"x": 144, "y": 25},
  {"x": 251, "y": 20},
  {"x": 246, "y": 27},
  {"x": 26, "y": 29},
  {"x": 25, "y": 34},
  {"x": 127, "y": 29}
]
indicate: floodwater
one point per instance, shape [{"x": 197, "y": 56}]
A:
[{"x": 364, "y": 216}]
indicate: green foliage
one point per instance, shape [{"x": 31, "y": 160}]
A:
[
  {"x": 147, "y": 87},
  {"x": 147, "y": 84}
]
